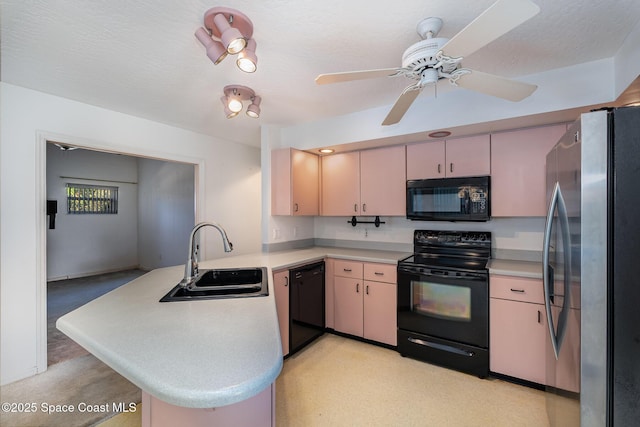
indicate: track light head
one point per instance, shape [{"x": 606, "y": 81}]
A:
[{"x": 233, "y": 97}]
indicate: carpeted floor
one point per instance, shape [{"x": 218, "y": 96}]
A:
[{"x": 64, "y": 296}]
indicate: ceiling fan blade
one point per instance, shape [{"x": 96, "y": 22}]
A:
[
  {"x": 401, "y": 106},
  {"x": 498, "y": 19},
  {"x": 355, "y": 75},
  {"x": 493, "y": 85}
]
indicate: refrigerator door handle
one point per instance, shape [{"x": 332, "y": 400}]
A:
[
  {"x": 546, "y": 268},
  {"x": 557, "y": 201},
  {"x": 566, "y": 243}
]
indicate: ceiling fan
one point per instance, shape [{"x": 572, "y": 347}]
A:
[{"x": 433, "y": 59}]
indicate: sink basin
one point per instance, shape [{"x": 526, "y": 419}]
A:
[{"x": 223, "y": 283}]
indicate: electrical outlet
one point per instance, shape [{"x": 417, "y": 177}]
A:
[
  {"x": 276, "y": 233},
  {"x": 295, "y": 231}
]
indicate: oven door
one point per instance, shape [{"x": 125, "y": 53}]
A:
[{"x": 446, "y": 304}]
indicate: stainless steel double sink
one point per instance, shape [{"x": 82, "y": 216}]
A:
[{"x": 222, "y": 283}]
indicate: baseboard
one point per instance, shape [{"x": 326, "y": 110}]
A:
[{"x": 94, "y": 273}]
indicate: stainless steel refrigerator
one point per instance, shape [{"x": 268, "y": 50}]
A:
[{"x": 591, "y": 265}]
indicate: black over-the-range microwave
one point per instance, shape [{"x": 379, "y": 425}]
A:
[{"x": 449, "y": 199}]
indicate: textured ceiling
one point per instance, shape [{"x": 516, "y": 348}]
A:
[{"x": 141, "y": 57}]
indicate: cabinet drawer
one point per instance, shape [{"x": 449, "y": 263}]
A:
[
  {"x": 348, "y": 269},
  {"x": 380, "y": 272},
  {"x": 516, "y": 289}
]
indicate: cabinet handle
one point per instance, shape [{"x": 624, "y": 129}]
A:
[
  {"x": 355, "y": 207},
  {"x": 520, "y": 291},
  {"x": 377, "y": 273},
  {"x": 286, "y": 283},
  {"x": 295, "y": 207},
  {"x": 347, "y": 270},
  {"x": 367, "y": 290},
  {"x": 539, "y": 317},
  {"x": 439, "y": 171},
  {"x": 451, "y": 167},
  {"x": 357, "y": 288},
  {"x": 364, "y": 207}
]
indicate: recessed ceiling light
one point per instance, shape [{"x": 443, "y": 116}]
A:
[
  {"x": 440, "y": 134},
  {"x": 326, "y": 150}
]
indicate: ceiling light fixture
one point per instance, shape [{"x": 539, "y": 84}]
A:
[
  {"x": 326, "y": 150},
  {"x": 253, "y": 110},
  {"x": 233, "y": 97},
  {"x": 228, "y": 31},
  {"x": 440, "y": 134}
]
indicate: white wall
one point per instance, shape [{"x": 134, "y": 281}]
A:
[
  {"x": 166, "y": 212},
  {"x": 228, "y": 191},
  {"x": 89, "y": 244}
]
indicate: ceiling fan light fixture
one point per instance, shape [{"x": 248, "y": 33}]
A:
[
  {"x": 247, "y": 60},
  {"x": 253, "y": 110}
]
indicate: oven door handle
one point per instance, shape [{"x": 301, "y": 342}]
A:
[{"x": 443, "y": 347}]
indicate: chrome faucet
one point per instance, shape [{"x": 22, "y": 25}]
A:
[{"x": 191, "y": 268}]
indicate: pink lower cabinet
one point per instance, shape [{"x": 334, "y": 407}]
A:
[
  {"x": 365, "y": 300},
  {"x": 281, "y": 289},
  {"x": 518, "y": 328},
  {"x": 348, "y": 308},
  {"x": 256, "y": 411}
]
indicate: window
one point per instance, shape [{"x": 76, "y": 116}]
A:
[{"x": 91, "y": 199}]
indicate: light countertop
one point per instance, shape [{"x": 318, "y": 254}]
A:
[
  {"x": 196, "y": 354},
  {"x": 505, "y": 267}
]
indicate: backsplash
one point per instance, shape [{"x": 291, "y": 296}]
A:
[{"x": 512, "y": 238}]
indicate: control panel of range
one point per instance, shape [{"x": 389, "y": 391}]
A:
[{"x": 450, "y": 238}]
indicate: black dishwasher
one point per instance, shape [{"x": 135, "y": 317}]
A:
[{"x": 306, "y": 305}]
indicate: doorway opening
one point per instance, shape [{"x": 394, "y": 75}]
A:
[{"x": 92, "y": 251}]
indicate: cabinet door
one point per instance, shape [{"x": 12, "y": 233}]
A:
[
  {"x": 518, "y": 334},
  {"x": 341, "y": 184},
  {"x": 295, "y": 178},
  {"x": 380, "y": 308},
  {"x": 518, "y": 170},
  {"x": 348, "y": 305},
  {"x": 281, "y": 289},
  {"x": 470, "y": 156},
  {"x": 426, "y": 160},
  {"x": 383, "y": 181},
  {"x": 305, "y": 186}
]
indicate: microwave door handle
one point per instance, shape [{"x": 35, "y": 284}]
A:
[
  {"x": 566, "y": 244},
  {"x": 547, "y": 269}
]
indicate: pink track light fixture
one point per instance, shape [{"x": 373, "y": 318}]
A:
[
  {"x": 232, "y": 101},
  {"x": 228, "y": 31}
]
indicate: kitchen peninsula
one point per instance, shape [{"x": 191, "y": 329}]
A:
[{"x": 197, "y": 354}]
